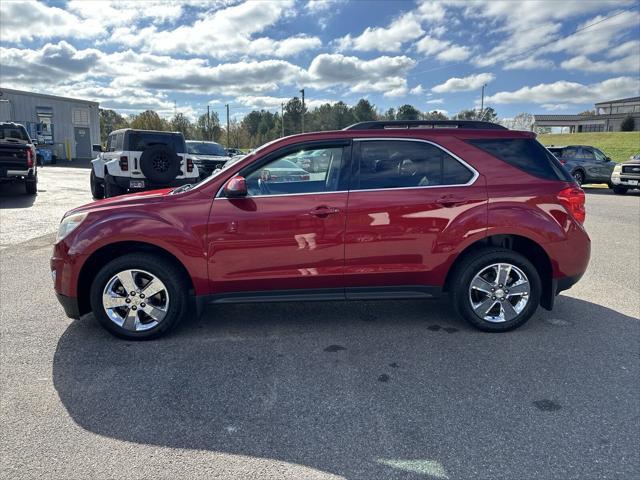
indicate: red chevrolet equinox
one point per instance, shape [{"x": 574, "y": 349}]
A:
[{"x": 390, "y": 210}]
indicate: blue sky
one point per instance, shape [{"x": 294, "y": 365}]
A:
[{"x": 534, "y": 56}]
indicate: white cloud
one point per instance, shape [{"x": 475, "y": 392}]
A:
[
  {"x": 435, "y": 101},
  {"x": 632, "y": 47},
  {"x": 555, "y": 106},
  {"x": 528, "y": 63},
  {"x": 383, "y": 74},
  {"x": 318, "y": 6},
  {"x": 390, "y": 39},
  {"x": 417, "y": 90},
  {"x": 274, "y": 103},
  {"x": 431, "y": 11},
  {"x": 27, "y": 20},
  {"x": 631, "y": 63},
  {"x": 465, "y": 84},
  {"x": 570, "y": 92},
  {"x": 443, "y": 49}
]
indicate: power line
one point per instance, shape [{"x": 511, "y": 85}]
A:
[{"x": 504, "y": 60}]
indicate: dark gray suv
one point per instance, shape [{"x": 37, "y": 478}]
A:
[{"x": 586, "y": 164}]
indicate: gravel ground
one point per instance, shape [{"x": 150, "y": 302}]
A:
[{"x": 360, "y": 390}]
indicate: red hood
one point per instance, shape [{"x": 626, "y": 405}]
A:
[{"x": 123, "y": 200}]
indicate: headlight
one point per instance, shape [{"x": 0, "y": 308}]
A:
[
  {"x": 617, "y": 168},
  {"x": 69, "y": 224}
]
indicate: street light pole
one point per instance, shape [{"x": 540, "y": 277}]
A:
[
  {"x": 302, "y": 92},
  {"x": 282, "y": 117},
  {"x": 482, "y": 102},
  {"x": 228, "y": 145}
]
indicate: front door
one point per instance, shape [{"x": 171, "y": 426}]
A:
[
  {"x": 83, "y": 142},
  {"x": 287, "y": 234},
  {"x": 402, "y": 209}
]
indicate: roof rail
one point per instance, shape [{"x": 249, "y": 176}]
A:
[{"x": 406, "y": 124}]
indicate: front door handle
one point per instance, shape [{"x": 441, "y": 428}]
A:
[
  {"x": 324, "y": 211},
  {"x": 451, "y": 201}
]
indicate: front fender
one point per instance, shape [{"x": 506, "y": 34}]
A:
[{"x": 97, "y": 164}]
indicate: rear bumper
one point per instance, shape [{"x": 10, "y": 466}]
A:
[
  {"x": 70, "y": 305},
  {"x": 123, "y": 182}
]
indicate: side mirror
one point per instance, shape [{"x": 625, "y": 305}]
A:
[
  {"x": 236, "y": 188},
  {"x": 97, "y": 148}
]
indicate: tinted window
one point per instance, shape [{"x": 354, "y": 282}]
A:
[
  {"x": 118, "y": 142},
  {"x": 402, "y": 164},
  {"x": 570, "y": 152},
  {"x": 16, "y": 132},
  {"x": 585, "y": 154},
  {"x": 209, "y": 148},
  {"x": 297, "y": 173},
  {"x": 138, "y": 141},
  {"x": 526, "y": 154}
]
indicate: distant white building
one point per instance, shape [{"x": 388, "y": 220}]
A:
[
  {"x": 608, "y": 117},
  {"x": 68, "y": 126}
]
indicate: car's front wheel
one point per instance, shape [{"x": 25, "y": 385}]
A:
[
  {"x": 620, "y": 190},
  {"x": 97, "y": 188},
  {"x": 496, "y": 289},
  {"x": 139, "y": 296}
]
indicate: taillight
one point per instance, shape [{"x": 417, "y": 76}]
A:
[
  {"x": 29, "y": 158},
  {"x": 574, "y": 199},
  {"x": 563, "y": 162},
  {"x": 124, "y": 163},
  {"x": 189, "y": 165},
  {"x": 305, "y": 177}
]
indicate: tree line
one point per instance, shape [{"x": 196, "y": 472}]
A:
[{"x": 261, "y": 126}]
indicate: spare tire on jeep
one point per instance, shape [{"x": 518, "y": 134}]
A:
[{"x": 160, "y": 163}]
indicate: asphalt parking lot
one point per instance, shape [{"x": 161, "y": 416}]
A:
[{"x": 361, "y": 390}]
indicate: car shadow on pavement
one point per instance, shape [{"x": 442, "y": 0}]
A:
[
  {"x": 364, "y": 390},
  {"x": 12, "y": 195}
]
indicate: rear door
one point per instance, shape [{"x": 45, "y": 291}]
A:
[
  {"x": 401, "y": 228},
  {"x": 286, "y": 237}
]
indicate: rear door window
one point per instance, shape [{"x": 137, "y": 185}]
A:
[
  {"x": 404, "y": 164},
  {"x": 527, "y": 155}
]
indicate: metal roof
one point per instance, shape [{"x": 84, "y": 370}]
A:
[
  {"x": 622, "y": 100},
  {"x": 44, "y": 95}
]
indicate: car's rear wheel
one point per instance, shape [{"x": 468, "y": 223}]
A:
[
  {"x": 578, "y": 176},
  {"x": 31, "y": 185},
  {"x": 111, "y": 189},
  {"x": 495, "y": 289},
  {"x": 97, "y": 188},
  {"x": 139, "y": 296},
  {"x": 620, "y": 190}
]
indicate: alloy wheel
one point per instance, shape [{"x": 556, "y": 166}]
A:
[
  {"x": 499, "y": 292},
  {"x": 135, "y": 300}
]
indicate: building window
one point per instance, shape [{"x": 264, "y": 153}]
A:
[{"x": 81, "y": 116}]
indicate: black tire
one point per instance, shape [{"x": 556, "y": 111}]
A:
[
  {"x": 31, "y": 186},
  {"x": 39, "y": 160},
  {"x": 476, "y": 262},
  {"x": 170, "y": 274},
  {"x": 619, "y": 190},
  {"x": 97, "y": 188},
  {"x": 111, "y": 189},
  {"x": 160, "y": 164},
  {"x": 578, "y": 176}
]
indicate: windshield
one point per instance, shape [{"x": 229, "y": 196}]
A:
[
  {"x": 206, "y": 148},
  {"x": 16, "y": 132}
]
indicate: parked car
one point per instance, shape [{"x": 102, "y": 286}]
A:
[
  {"x": 471, "y": 209},
  {"x": 18, "y": 157},
  {"x": 137, "y": 160},
  {"x": 626, "y": 176},
  {"x": 232, "y": 152},
  {"x": 207, "y": 156},
  {"x": 586, "y": 164},
  {"x": 312, "y": 161}
]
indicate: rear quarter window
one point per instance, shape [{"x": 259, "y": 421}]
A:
[{"x": 526, "y": 154}]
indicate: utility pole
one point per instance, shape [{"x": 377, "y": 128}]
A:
[
  {"x": 208, "y": 124},
  {"x": 482, "y": 102},
  {"x": 175, "y": 109},
  {"x": 282, "y": 117},
  {"x": 228, "y": 145},
  {"x": 302, "y": 92}
]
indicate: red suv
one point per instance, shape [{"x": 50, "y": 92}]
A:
[{"x": 398, "y": 210}]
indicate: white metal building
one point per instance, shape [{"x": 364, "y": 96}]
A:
[{"x": 68, "y": 126}]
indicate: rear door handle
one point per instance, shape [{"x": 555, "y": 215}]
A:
[
  {"x": 451, "y": 201},
  {"x": 324, "y": 211}
]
